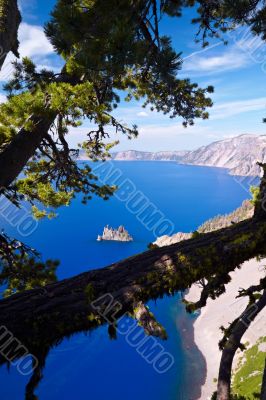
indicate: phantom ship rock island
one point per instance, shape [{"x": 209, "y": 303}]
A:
[{"x": 120, "y": 234}]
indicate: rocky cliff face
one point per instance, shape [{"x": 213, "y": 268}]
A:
[{"x": 239, "y": 155}]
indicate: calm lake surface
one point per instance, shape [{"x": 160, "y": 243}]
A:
[{"x": 92, "y": 366}]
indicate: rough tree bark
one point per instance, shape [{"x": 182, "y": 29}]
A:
[
  {"x": 260, "y": 207},
  {"x": 16, "y": 155},
  {"x": 9, "y": 23},
  {"x": 22, "y": 148}
]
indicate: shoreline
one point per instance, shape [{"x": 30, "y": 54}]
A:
[
  {"x": 221, "y": 312},
  {"x": 195, "y": 363},
  {"x": 226, "y": 169}
]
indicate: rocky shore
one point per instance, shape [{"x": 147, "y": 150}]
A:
[{"x": 245, "y": 211}]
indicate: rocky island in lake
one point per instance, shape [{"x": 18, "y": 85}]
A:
[{"x": 120, "y": 234}]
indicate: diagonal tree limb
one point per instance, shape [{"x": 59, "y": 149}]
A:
[
  {"x": 41, "y": 318},
  {"x": 63, "y": 308},
  {"x": 16, "y": 155}
]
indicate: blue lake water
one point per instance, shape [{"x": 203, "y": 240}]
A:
[{"x": 91, "y": 366}]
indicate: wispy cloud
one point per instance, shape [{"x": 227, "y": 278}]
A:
[
  {"x": 174, "y": 136},
  {"x": 142, "y": 114},
  {"x": 202, "y": 51},
  {"x": 228, "y": 109},
  {"x": 213, "y": 62},
  {"x": 173, "y": 129}
]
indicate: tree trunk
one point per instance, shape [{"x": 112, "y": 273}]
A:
[
  {"x": 9, "y": 23},
  {"x": 16, "y": 155},
  {"x": 260, "y": 206},
  {"x": 233, "y": 343},
  {"x": 18, "y": 152}
]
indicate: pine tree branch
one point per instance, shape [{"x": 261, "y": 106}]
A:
[{"x": 19, "y": 151}]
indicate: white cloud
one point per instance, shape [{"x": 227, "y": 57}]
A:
[
  {"x": 7, "y": 69},
  {"x": 33, "y": 42},
  {"x": 228, "y": 109},
  {"x": 163, "y": 131},
  {"x": 229, "y": 136},
  {"x": 233, "y": 57},
  {"x": 130, "y": 112},
  {"x": 165, "y": 134},
  {"x": 2, "y": 98},
  {"x": 142, "y": 114},
  {"x": 174, "y": 136}
]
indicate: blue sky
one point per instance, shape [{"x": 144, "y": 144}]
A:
[{"x": 237, "y": 71}]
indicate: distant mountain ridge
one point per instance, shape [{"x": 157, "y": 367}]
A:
[
  {"x": 135, "y": 155},
  {"x": 239, "y": 155}
]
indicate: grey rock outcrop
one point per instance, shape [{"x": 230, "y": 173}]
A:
[{"x": 120, "y": 234}]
